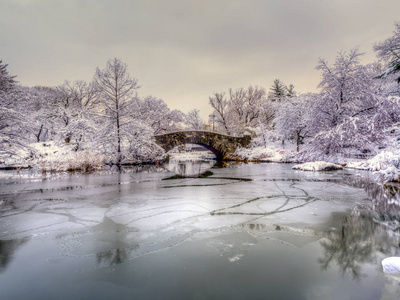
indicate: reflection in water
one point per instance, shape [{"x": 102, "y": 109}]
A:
[
  {"x": 369, "y": 232},
  {"x": 188, "y": 168},
  {"x": 114, "y": 256},
  {"x": 384, "y": 205},
  {"x": 7, "y": 250},
  {"x": 117, "y": 243},
  {"x": 121, "y": 249},
  {"x": 352, "y": 245},
  {"x": 388, "y": 194},
  {"x": 138, "y": 169}
]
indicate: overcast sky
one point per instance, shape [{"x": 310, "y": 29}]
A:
[{"x": 184, "y": 50}]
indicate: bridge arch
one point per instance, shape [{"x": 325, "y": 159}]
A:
[{"x": 220, "y": 144}]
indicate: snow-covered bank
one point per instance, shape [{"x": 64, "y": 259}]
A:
[
  {"x": 385, "y": 165},
  {"x": 51, "y": 157},
  {"x": 262, "y": 154}
]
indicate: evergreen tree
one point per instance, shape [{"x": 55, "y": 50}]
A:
[{"x": 278, "y": 91}]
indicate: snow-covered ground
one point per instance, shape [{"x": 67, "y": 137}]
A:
[
  {"x": 272, "y": 153},
  {"x": 51, "y": 157}
]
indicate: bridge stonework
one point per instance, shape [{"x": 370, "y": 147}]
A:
[{"x": 220, "y": 144}]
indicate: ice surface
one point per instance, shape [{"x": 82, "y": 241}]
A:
[
  {"x": 134, "y": 223},
  {"x": 155, "y": 211}
]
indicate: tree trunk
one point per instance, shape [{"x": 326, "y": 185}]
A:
[
  {"x": 118, "y": 124},
  {"x": 38, "y": 135},
  {"x": 298, "y": 142},
  {"x": 118, "y": 141}
]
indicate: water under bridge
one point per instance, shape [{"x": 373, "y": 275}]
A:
[{"x": 220, "y": 144}]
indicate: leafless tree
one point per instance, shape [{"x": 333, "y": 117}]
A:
[
  {"x": 117, "y": 94},
  {"x": 194, "y": 120},
  {"x": 220, "y": 106}
]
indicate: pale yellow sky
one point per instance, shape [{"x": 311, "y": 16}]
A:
[{"x": 182, "y": 51}]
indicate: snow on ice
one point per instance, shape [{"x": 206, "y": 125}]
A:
[
  {"x": 317, "y": 166},
  {"x": 391, "y": 265}
]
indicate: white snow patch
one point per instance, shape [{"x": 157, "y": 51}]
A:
[
  {"x": 235, "y": 257},
  {"x": 391, "y": 265},
  {"x": 317, "y": 166}
]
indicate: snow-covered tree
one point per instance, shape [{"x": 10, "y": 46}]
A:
[
  {"x": 13, "y": 123},
  {"x": 139, "y": 146},
  {"x": 345, "y": 111},
  {"x": 290, "y": 92},
  {"x": 220, "y": 115},
  {"x": 278, "y": 91},
  {"x": 117, "y": 97},
  {"x": 265, "y": 124},
  {"x": 351, "y": 136},
  {"x": 155, "y": 113},
  {"x": 7, "y": 82},
  {"x": 294, "y": 119},
  {"x": 238, "y": 112},
  {"x": 40, "y": 106},
  {"x": 347, "y": 89},
  {"x": 173, "y": 120},
  {"x": 77, "y": 105},
  {"x": 194, "y": 120},
  {"x": 245, "y": 107},
  {"x": 389, "y": 52}
]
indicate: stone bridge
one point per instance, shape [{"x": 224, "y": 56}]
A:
[{"x": 220, "y": 144}]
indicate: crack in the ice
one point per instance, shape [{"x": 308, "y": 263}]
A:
[
  {"x": 218, "y": 212},
  {"x": 206, "y": 185},
  {"x": 161, "y": 207},
  {"x": 166, "y": 212},
  {"x": 193, "y": 185}
]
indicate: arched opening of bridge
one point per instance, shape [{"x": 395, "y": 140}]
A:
[{"x": 190, "y": 151}]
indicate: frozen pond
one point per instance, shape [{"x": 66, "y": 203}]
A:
[{"x": 257, "y": 231}]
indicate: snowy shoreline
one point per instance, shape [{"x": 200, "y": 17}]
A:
[
  {"x": 51, "y": 158},
  {"x": 385, "y": 165}
]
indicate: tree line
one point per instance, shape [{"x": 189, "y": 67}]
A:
[
  {"x": 105, "y": 116},
  {"x": 357, "y": 110}
]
